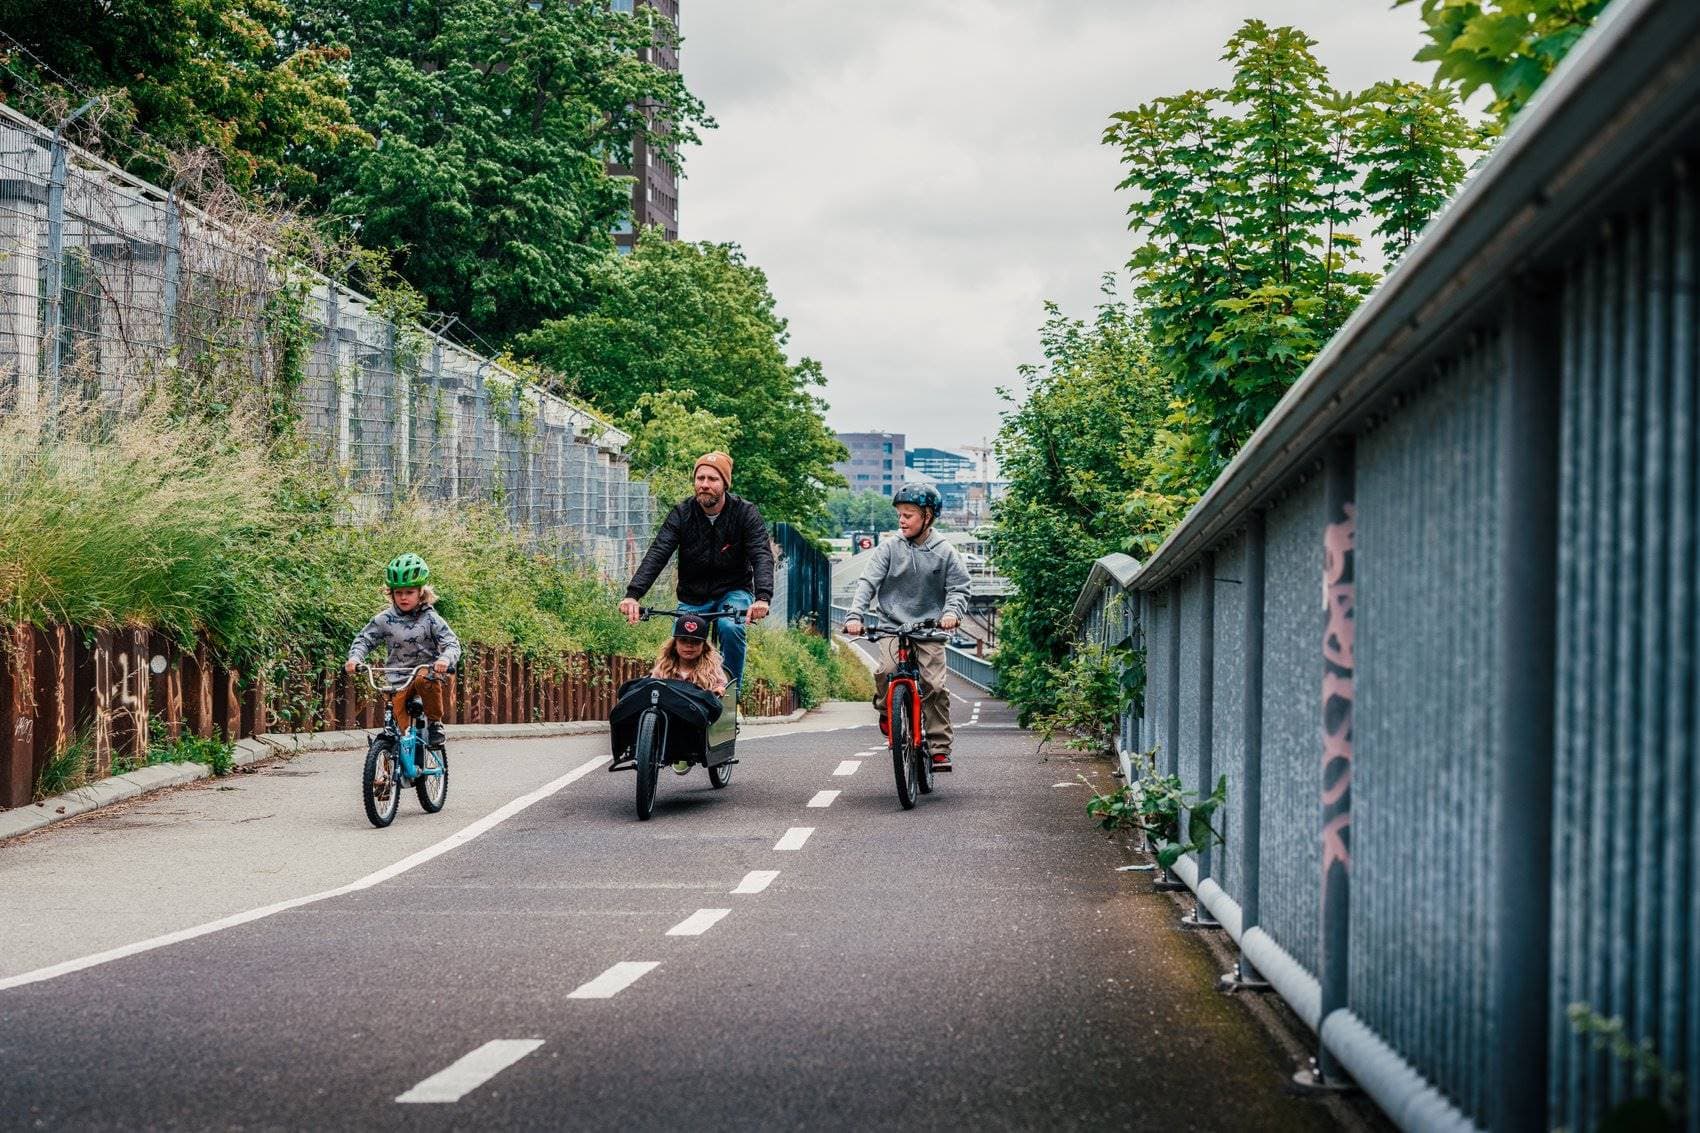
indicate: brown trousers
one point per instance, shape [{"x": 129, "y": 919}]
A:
[
  {"x": 431, "y": 692},
  {"x": 935, "y": 696}
]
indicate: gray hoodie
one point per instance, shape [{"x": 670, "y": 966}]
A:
[
  {"x": 412, "y": 639},
  {"x": 914, "y": 580}
]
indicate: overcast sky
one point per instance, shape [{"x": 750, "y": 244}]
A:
[{"x": 918, "y": 176}]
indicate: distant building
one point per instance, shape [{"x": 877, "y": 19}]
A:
[
  {"x": 938, "y": 463},
  {"x": 876, "y": 464},
  {"x": 655, "y": 189}
]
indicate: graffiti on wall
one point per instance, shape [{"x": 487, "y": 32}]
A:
[{"x": 1339, "y": 597}]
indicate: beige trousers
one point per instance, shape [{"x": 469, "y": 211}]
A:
[{"x": 935, "y": 696}]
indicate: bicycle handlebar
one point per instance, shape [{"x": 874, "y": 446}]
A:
[
  {"x": 415, "y": 670},
  {"x": 740, "y": 616},
  {"x": 924, "y": 630}
]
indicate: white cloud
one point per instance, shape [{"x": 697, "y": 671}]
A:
[{"x": 916, "y": 179}]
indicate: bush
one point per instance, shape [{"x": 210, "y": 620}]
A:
[{"x": 820, "y": 669}]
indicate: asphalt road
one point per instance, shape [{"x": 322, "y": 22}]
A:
[{"x": 976, "y": 962}]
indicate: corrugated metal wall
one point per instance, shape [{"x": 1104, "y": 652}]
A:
[
  {"x": 1423, "y": 780},
  {"x": 1291, "y": 854},
  {"x": 1626, "y": 933},
  {"x": 1228, "y": 748}
]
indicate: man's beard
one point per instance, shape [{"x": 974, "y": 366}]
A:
[{"x": 708, "y": 498}]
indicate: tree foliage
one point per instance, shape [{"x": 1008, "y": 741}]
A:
[
  {"x": 1072, "y": 451},
  {"x": 493, "y": 122},
  {"x": 1508, "y": 46},
  {"x": 669, "y": 431},
  {"x": 682, "y": 316},
  {"x": 857, "y": 511},
  {"x": 226, "y": 75},
  {"x": 1246, "y": 199}
]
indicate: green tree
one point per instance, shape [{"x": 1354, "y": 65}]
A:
[
  {"x": 857, "y": 511},
  {"x": 700, "y": 317},
  {"x": 226, "y": 75},
  {"x": 1072, "y": 450},
  {"x": 1243, "y": 198},
  {"x": 494, "y": 122},
  {"x": 669, "y": 432},
  {"x": 1508, "y": 46},
  {"x": 1408, "y": 138}
]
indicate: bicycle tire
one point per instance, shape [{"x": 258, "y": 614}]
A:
[
  {"x": 433, "y": 757},
  {"x": 381, "y": 812},
  {"x": 903, "y": 751},
  {"x": 924, "y": 763},
  {"x": 648, "y": 764}
]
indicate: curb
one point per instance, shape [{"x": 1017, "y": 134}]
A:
[{"x": 131, "y": 784}]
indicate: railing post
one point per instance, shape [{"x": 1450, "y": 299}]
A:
[
  {"x": 1245, "y": 975},
  {"x": 173, "y": 267},
  {"x": 1200, "y": 916},
  {"x": 1523, "y": 670},
  {"x": 1339, "y": 690}
]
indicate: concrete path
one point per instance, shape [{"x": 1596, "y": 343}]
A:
[{"x": 795, "y": 951}]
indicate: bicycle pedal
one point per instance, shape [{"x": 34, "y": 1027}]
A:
[
  {"x": 627, "y": 765},
  {"x": 943, "y": 767}
]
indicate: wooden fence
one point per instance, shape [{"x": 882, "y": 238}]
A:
[{"x": 108, "y": 687}]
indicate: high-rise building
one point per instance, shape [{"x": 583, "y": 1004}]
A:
[
  {"x": 655, "y": 187},
  {"x": 941, "y": 464},
  {"x": 876, "y": 461}
]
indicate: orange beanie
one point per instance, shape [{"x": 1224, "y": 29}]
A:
[{"x": 718, "y": 461}]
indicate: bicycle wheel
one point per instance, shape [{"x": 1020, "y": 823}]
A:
[
  {"x": 718, "y": 777},
  {"x": 903, "y": 751},
  {"x": 433, "y": 789},
  {"x": 380, "y": 784},
  {"x": 924, "y": 766},
  {"x": 645, "y": 750}
]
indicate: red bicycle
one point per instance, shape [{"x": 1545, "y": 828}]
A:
[{"x": 911, "y": 762}]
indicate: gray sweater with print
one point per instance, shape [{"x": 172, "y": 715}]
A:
[
  {"x": 914, "y": 580},
  {"x": 411, "y": 640}
]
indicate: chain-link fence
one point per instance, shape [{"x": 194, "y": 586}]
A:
[{"x": 110, "y": 286}]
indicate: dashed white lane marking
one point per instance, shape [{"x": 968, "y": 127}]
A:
[
  {"x": 794, "y": 838},
  {"x": 698, "y": 922},
  {"x": 848, "y": 767},
  {"x": 977, "y": 704},
  {"x": 823, "y": 798},
  {"x": 471, "y": 1071},
  {"x": 756, "y": 880},
  {"x": 615, "y": 979},
  {"x": 459, "y": 838},
  {"x": 958, "y": 695}
]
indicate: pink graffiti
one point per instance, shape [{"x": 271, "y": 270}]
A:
[{"x": 1339, "y": 689}]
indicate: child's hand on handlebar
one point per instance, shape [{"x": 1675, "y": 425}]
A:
[
  {"x": 350, "y": 666},
  {"x": 949, "y": 621},
  {"x": 440, "y": 666},
  {"x": 852, "y": 627}
]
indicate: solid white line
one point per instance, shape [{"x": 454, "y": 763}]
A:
[
  {"x": 459, "y": 838},
  {"x": 698, "y": 922},
  {"x": 615, "y": 979},
  {"x": 958, "y": 695},
  {"x": 848, "y": 767},
  {"x": 823, "y": 798},
  {"x": 794, "y": 838},
  {"x": 756, "y": 880},
  {"x": 471, "y": 1071}
]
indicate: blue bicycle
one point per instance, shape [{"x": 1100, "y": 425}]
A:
[{"x": 397, "y": 759}]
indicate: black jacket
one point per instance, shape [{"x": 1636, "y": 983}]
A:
[{"x": 732, "y": 553}]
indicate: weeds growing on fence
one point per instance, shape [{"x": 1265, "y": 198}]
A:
[{"x": 64, "y": 772}]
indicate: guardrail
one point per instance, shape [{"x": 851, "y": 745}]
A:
[{"x": 1436, "y": 625}]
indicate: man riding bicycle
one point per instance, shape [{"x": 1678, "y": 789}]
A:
[
  {"x": 918, "y": 577},
  {"x": 725, "y": 557}
]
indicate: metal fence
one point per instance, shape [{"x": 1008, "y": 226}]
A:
[
  {"x": 110, "y": 287},
  {"x": 1436, "y": 623}
]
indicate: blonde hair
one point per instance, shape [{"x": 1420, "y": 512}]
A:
[
  {"x": 427, "y": 594},
  {"x": 706, "y": 672}
]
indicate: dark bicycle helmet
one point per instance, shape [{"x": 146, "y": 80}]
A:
[
  {"x": 406, "y": 570},
  {"x": 690, "y": 627},
  {"x": 921, "y": 495}
]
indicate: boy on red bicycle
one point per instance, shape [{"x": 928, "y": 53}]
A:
[{"x": 917, "y": 577}]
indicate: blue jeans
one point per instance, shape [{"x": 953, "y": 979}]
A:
[{"x": 731, "y": 632}]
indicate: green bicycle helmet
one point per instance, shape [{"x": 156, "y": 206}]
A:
[
  {"x": 406, "y": 570},
  {"x": 921, "y": 495}
]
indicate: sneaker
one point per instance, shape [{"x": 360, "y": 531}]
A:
[
  {"x": 941, "y": 763},
  {"x": 683, "y": 767},
  {"x": 434, "y": 735},
  {"x": 885, "y": 727}
]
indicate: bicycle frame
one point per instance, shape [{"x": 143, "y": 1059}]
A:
[
  {"x": 409, "y": 742},
  {"x": 908, "y": 670}
]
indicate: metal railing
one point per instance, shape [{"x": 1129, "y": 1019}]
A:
[
  {"x": 110, "y": 287},
  {"x": 1436, "y": 624}
]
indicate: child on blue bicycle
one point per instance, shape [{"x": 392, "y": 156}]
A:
[
  {"x": 413, "y": 634},
  {"x": 918, "y": 577}
]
